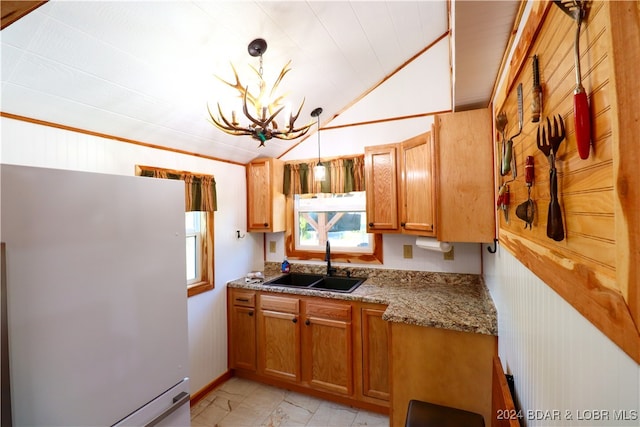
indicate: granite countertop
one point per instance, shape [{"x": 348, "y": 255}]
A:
[{"x": 459, "y": 302}]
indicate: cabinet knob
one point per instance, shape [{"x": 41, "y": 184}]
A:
[
  {"x": 250, "y": 313},
  {"x": 403, "y": 224},
  {"x": 370, "y": 224},
  {"x": 307, "y": 322},
  {"x": 266, "y": 224},
  {"x": 294, "y": 320}
]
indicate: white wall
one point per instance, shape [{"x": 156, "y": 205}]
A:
[
  {"x": 559, "y": 360},
  {"x": 33, "y": 145},
  {"x": 466, "y": 256}
]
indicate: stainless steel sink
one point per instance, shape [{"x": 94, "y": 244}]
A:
[{"x": 318, "y": 282}]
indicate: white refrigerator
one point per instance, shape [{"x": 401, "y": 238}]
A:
[{"x": 95, "y": 295}]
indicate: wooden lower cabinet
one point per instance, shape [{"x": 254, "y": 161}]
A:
[
  {"x": 331, "y": 349},
  {"x": 440, "y": 366},
  {"x": 375, "y": 353},
  {"x": 279, "y": 337},
  {"x": 242, "y": 329},
  {"x": 328, "y": 347}
]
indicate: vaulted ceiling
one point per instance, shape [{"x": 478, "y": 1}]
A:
[{"x": 145, "y": 71}]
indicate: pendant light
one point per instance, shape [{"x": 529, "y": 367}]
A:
[{"x": 319, "y": 171}]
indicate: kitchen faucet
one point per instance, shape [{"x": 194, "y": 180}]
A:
[{"x": 327, "y": 257}]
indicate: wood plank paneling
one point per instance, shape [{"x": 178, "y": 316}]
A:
[{"x": 590, "y": 268}]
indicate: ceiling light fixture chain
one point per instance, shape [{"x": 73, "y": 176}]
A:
[
  {"x": 266, "y": 106},
  {"x": 319, "y": 171}
]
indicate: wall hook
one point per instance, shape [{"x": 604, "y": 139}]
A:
[
  {"x": 495, "y": 247},
  {"x": 238, "y": 235}
]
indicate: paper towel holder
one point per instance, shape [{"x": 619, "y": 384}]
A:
[{"x": 432, "y": 244}]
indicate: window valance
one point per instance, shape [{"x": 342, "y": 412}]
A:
[
  {"x": 344, "y": 175},
  {"x": 200, "y": 190}
]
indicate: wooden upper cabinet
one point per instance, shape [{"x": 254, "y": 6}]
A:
[
  {"x": 417, "y": 192},
  {"x": 265, "y": 197},
  {"x": 381, "y": 177},
  {"x": 465, "y": 189}
]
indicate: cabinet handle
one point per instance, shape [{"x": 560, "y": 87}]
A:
[
  {"x": 250, "y": 313},
  {"x": 294, "y": 320},
  {"x": 370, "y": 224},
  {"x": 242, "y": 299},
  {"x": 307, "y": 322}
]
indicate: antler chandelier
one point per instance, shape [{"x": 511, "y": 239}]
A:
[{"x": 260, "y": 110}]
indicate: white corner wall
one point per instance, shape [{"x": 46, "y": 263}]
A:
[
  {"x": 566, "y": 372},
  {"x": 29, "y": 144}
]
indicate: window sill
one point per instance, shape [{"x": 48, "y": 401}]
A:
[{"x": 198, "y": 288}]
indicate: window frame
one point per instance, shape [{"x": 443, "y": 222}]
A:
[
  {"x": 336, "y": 255},
  {"x": 206, "y": 260}
]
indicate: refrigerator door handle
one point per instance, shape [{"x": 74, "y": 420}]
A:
[{"x": 178, "y": 400}]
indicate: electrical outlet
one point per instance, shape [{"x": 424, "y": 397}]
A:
[
  {"x": 448, "y": 256},
  {"x": 407, "y": 251},
  {"x": 272, "y": 246}
]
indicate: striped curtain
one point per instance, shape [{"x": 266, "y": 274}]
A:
[
  {"x": 199, "y": 191},
  {"x": 343, "y": 175}
]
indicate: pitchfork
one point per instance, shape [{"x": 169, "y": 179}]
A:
[{"x": 549, "y": 145}]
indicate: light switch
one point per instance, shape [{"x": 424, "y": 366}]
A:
[{"x": 272, "y": 246}]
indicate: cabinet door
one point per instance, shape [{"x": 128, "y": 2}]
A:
[
  {"x": 258, "y": 195},
  {"x": 279, "y": 338},
  {"x": 381, "y": 175},
  {"x": 242, "y": 337},
  {"x": 265, "y": 199},
  {"x": 328, "y": 347},
  {"x": 466, "y": 204},
  {"x": 375, "y": 354},
  {"x": 417, "y": 196}
]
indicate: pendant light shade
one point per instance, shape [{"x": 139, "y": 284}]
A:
[{"x": 319, "y": 171}]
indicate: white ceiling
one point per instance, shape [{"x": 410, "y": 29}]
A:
[{"x": 144, "y": 70}]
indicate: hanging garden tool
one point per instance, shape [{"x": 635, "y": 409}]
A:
[
  {"x": 526, "y": 210},
  {"x": 577, "y": 10},
  {"x": 536, "y": 92},
  {"x": 503, "y": 200},
  {"x": 507, "y": 157},
  {"x": 549, "y": 143},
  {"x": 501, "y": 125}
]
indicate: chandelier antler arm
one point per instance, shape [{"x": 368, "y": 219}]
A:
[
  {"x": 292, "y": 119},
  {"x": 239, "y": 87},
  {"x": 261, "y": 123},
  {"x": 283, "y": 72},
  {"x": 229, "y": 128}
]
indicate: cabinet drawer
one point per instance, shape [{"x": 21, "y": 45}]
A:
[
  {"x": 328, "y": 310},
  {"x": 283, "y": 304},
  {"x": 244, "y": 298}
]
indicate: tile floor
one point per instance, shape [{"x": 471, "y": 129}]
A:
[{"x": 243, "y": 403}]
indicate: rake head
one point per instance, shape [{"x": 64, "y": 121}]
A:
[{"x": 576, "y": 9}]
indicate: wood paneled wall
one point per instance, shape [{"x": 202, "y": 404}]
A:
[{"x": 594, "y": 267}]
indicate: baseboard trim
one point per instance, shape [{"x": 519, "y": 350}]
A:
[{"x": 200, "y": 394}]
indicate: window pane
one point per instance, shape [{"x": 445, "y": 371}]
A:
[
  {"x": 192, "y": 222},
  {"x": 192, "y": 258},
  {"x": 340, "y": 218}
]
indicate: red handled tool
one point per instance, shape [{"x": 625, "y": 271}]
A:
[{"x": 577, "y": 10}]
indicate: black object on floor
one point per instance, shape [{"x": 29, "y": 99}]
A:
[{"x": 424, "y": 414}]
